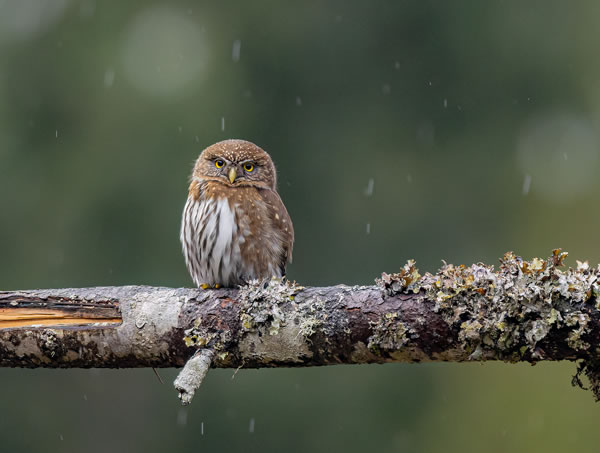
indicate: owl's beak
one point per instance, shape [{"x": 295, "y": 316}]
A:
[{"x": 232, "y": 174}]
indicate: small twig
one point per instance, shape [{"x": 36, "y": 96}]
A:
[
  {"x": 193, "y": 373},
  {"x": 236, "y": 371}
]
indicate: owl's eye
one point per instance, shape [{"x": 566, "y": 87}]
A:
[
  {"x": 248, "y": 167},
  {"x": 219, "y": 163}
]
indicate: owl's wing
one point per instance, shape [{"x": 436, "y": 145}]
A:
[{"x": 282, "y": 221}]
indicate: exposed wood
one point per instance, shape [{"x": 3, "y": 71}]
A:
[
  {"x": 51, "y": 318},
  {"x": 16, "y": 311}
]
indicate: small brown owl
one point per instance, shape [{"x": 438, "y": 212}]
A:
[{"x": 235, "y": 227}]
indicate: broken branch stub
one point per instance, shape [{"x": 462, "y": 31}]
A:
[{"x": 192, "y": 375}]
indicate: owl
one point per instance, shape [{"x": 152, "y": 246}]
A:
[{"x": 235, "y": 227}]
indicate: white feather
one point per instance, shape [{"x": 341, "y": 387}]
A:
[
  {"x": 222, "y": 265},
  {"x": 223, "y": 240}
]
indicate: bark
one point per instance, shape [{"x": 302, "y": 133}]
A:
[{"x": 525, "y": 311}]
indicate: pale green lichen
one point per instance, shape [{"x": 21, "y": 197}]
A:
[
  {"x": 389, "y": 333},
  {"x": 309, "y": 325},
  {"x": 199, "y": 336},
  {"x": 311, "y": 316},
  {"x": 517, "y": 306},
  {"x": 506, "y": 314},
  {"x": 580, "y": 321},
  {"x": 265, "y": 313},
  {"x": 270, "y": 330},
  {"x": 261, "y": 308},
  {"x": 404, "y": 281},
  {"x": 260, "y": 302}
]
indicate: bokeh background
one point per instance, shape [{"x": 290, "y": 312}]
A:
[{"x": 416, "y": 129}]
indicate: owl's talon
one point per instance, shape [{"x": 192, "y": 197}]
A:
[{"x": 207, "y": 286}]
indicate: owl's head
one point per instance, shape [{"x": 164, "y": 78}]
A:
[{"x": 236, "y": 163}]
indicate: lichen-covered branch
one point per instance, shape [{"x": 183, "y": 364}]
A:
[{"x": 522, "y": 311}]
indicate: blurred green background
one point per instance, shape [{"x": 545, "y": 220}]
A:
[{"x": 401, "y": 129}]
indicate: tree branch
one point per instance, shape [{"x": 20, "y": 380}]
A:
[{"x": 524, "y": 311}]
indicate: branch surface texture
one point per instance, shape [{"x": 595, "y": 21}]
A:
[{"x": 523, "y": 311}]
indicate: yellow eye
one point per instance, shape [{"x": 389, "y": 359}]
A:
[
  {"x": 248, "y": 167},
  {"x": 219, "y": 163}
]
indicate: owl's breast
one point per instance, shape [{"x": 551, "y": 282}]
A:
[
  {"x": 229, "y": 236},
  {"x": 210, "y": 241}
]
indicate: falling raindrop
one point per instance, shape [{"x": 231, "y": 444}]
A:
[
  {"x": 56, "y": 135},
  {"x": 445, "y": 103},
  {"x": 368, "y": 228},
  {"x": 251, "y": 426},
  {"x": 298, "y": 101},
  {"x": 202, "y": 428},
  {"x": 526, "y": 184},
  {"x": 222, "y": 123},
  {"x": 235, "y": 50},
  {"x": 370, "y": 187},
  {"x": 409, "y": 178},
  {"x": 386, "y": 88}
]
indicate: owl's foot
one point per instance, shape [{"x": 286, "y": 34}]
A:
[{"x": 207, "y": 286}]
